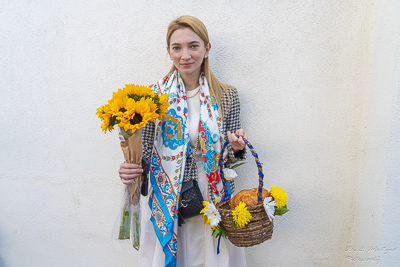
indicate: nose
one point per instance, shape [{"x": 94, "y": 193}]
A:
[{"x": 186, "y": 54}]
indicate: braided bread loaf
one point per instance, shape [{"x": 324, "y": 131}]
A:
[{"x": 248, "y": 196}]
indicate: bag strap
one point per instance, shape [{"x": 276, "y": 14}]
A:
[{"x": 194, "y": 155}]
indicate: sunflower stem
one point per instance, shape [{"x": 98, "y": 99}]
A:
[{"x": 125, "y": 134}]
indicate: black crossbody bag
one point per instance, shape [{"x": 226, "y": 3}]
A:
[{"x": 191, "y": 199}]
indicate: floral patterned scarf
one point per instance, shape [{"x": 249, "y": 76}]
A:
[{"x": 170, "y": 150}]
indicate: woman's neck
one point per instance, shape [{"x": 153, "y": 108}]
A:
[
  {"x": 191, "y": 82},
  {"x": 191, "y": 86}
]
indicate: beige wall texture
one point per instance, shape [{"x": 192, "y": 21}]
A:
[{"x": 319, "y": 84}]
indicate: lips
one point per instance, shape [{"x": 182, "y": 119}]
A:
[{"x": 186, "y": 64}]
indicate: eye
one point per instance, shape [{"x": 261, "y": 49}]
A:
[
  {"x": 194, "y": 46},
  {"x": 175, "y": 48}
]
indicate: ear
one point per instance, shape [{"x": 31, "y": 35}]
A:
[
  {"x": 208, "y": 48},
  {"x": 169, "y": 54}
]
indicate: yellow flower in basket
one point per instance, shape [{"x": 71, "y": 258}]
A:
[
  {"x": 241, "y": 216},
  {"x": 279, "y": 196}
]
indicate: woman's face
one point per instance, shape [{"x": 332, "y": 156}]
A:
[{"x": 187, "y": 51}]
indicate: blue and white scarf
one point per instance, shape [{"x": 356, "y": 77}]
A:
[{"x": 169, "y": 154}]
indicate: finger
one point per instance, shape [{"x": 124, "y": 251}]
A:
[
  {"x": 130, "y": 166},
  {"x": 240, "y": 132},
  {"x": 128, "y": 181},
  {"x": 241, "y": 143},
  {"x": 231, "y": 137},
  {"x": 124, "y": 181},
  {"x": 128, "y": 170},
  {"x": 228, "y": 133},
  {"x": 128, "y": 176},
  {"x": 130, "y": 173}
]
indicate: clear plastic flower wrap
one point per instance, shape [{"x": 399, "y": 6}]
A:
[{"x": 129, "y": 220}]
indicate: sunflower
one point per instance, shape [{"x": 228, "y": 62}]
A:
[
  {"x": 106, "y": 126},
  {"x": 121, "y": 93},
  {"x": 100, "y": 112},
  {"x": 117, "y": 104},
  {"x": 162, "y": 106},
  {"x": 279, "y": 196},
  {"x": 108, "y": 120},
  {"x": 241, "y": 216},
  {"x": 137, "y": 114},
  {"x": 132, "y": 108},
  {"x": 136, "y": 92}
]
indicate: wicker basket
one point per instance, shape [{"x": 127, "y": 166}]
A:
[{"x": 260, "y": 228}]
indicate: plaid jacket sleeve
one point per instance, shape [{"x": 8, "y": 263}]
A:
[
  {"x": 148, "y": 133},
  {"x": 231, "y": 122}
]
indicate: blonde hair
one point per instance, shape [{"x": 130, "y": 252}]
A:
[{"x": 218, "y": 88}]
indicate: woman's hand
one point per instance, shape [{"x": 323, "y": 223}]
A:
[
  {"x": 237, "y": 143},
  {"x": 129, "y": 172}
]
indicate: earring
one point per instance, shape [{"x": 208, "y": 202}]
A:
[{"x": 205, "y": 56}]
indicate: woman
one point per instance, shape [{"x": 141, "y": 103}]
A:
[{"x": 197, "y": 102}]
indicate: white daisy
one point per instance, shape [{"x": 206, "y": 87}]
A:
[
  {"x": 269, "y": 207},
  {"x": 212, "y": 214}
]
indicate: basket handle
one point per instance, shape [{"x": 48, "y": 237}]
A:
[{"x": 260, "y": 172}]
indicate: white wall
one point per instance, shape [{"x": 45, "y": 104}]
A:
[
  {"x": 388, "y": 248},
  {"x": 376, "y": 202},
  {"x": 318, "y": 82}
]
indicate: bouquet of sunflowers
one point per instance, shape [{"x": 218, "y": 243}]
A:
[
  {"x": 131, "y": 108},
  {"x": 247, "y": 218}
]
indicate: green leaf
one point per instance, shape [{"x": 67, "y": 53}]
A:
[
  {"x": 223, "y": 232},
  {"x": 113, "y": 120},
  {"x": 280, "y": 211},
  {"x": 219, "y": 232},
  {"x": 234, "y": 223},
  {"x": 237, "y": 165}
]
